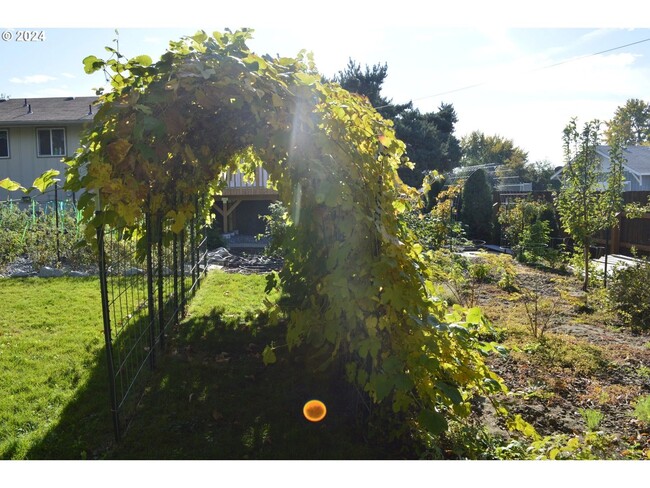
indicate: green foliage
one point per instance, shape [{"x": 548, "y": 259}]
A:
[
  {"x": 632, "y": 122},
  {"x": 429, "y": 139},
  {"x": 584, "y": 207},
  {"x": 539, "y": 174},
  {"x": 525, "y": 228},
  {"x": 592, "y": 445},
  {"x": 357, "y": 291},
  {"x": 31, "y": 231},
  {"x": 434, "y": 228},
  {"x": 276, "y": 223},
  {"x": 592, "y": 418},
  {"x": 476, "y": 211},
  {"x": 540, "y": 310},
  {"x": 630, "y": 295},
  {"x": 642, "y": 409},
  {"x": 368, "y": 82},
  {"x": 479, "y": 149}
]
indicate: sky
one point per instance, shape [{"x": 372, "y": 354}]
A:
[{"x": 520, "y": 74}]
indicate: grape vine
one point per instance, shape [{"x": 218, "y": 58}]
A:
[{"x": 357, "y": 286}]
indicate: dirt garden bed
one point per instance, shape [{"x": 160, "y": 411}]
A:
[{"x": 584, "y": 361}]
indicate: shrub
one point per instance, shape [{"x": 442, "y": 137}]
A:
[
  {"x": 592, "y": 418},
  {"x": 630, "y": 295},
  {"x": 435, "y": 227},
  {"x": 527, "y": 227},
  {"x": 276, "y": 226},
  {"x": 642, "y": 409}
]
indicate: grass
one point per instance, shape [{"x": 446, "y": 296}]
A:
[
  {"x": 50, "y": 337},
  {"x": 210, "y": 398},
  {"x": 214, "y": 399}
]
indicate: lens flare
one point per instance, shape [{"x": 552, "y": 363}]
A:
[{"x": 314, "y": 410}]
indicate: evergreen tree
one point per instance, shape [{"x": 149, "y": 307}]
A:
[
  {"x": 476, "y": 211},
  {"x": 429, "y": 139}
]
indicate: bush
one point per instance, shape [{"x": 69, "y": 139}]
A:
[
  {"x": 527, "y": 227},
  {"x": 642, "y": 409},
  {"x": 630, "y": 295}
]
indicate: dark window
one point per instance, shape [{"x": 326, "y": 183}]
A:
[
  {"x": 4, "y": 143},
  {"x": 51, "y": 142}
]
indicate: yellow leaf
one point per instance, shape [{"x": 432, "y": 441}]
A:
[{"x": 117, "y": 150}]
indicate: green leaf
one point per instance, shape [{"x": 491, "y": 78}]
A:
[
  {"x": 433, "y": 422},
  {"x": 200, "y": 37},
  {"x": 268, "y": 355},
  {"x": 307, "y": 79},
  {"x": 46, "y": 180},
  {"x": 450, "y": 392},
  {"x": 142, "y": 60},
  {"x": 383, "y": 386},
  {"x": 92, "y": 64},
  {"x": 11, "y": 185}
]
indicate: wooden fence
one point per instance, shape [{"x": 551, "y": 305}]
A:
[{"x": 630, "y": 233}]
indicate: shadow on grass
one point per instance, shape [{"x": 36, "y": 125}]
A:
[{"x": 212, "y": 397}]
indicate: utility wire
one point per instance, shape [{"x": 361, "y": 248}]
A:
[{"x": 571, "y": 60}]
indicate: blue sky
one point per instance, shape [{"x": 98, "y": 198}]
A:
[{"x": 432, "y": 54}]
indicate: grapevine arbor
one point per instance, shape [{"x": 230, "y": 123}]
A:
[{"x": 357, "y": 289}]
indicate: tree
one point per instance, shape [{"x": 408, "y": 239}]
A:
[
  {"x": 430, "y": 142},
  {"x": 429, "y": 139},
  {"x": 585, "y": 206},
  {"x": 631, "y": 123},
  {"x": 368, "y": 82},
  {"x": 539, "y": 174},
  {"x": 476, "y": 210},
  {"x": 478, "y": 149}
]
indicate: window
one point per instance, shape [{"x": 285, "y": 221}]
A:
[
  {"x": 4, "y": 143},
  {"x": 51, "y": 142}
]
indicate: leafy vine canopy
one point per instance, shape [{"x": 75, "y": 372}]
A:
[{"x": 357, "y": 286}]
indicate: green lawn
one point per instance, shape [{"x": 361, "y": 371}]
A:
[
  {"x": 211, "y": 396},
  {"x": 50, "y": 342}
]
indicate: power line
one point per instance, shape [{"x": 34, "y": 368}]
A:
[{"x": 571, "y": 60}]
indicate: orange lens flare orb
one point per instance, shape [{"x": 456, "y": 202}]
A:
[{"x": 314, "y": 410}]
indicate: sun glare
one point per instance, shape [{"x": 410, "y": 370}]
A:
[{"x": 314, "y": 410}]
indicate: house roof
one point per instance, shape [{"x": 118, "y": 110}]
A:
[
  {"x": 61, "y": 110},
  {"x": 637, "y": 158}
]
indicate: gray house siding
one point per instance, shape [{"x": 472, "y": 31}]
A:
[
  {"x": 24, "y": 164},
  {"x": 21, "y": 120},
  {"x": 636, "y": 169}
]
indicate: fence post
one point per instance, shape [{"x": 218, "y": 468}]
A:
[
  {"x": 150, "y": 302},
  {"x": 103, "y": 283},
  {"x": 199, "y": 240},
  {"x": 56, "y": 221},
  {"x": 192, "y": 246},
  {"x": 175, "y": 266},
  {"x": 182, "y": 268},
  {"x": 161, "y": 312}
]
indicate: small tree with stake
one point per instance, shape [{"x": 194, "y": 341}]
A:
[{"x": 586, "y": 207}]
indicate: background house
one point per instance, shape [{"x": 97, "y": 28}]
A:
[
  {"x": 636, "y": 169},
  {"x": 35, "y": 134}
]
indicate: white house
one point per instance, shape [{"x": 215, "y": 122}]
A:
[
  {"x": 35, "y": 134},
  {"x": 636, "y": 169}
]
